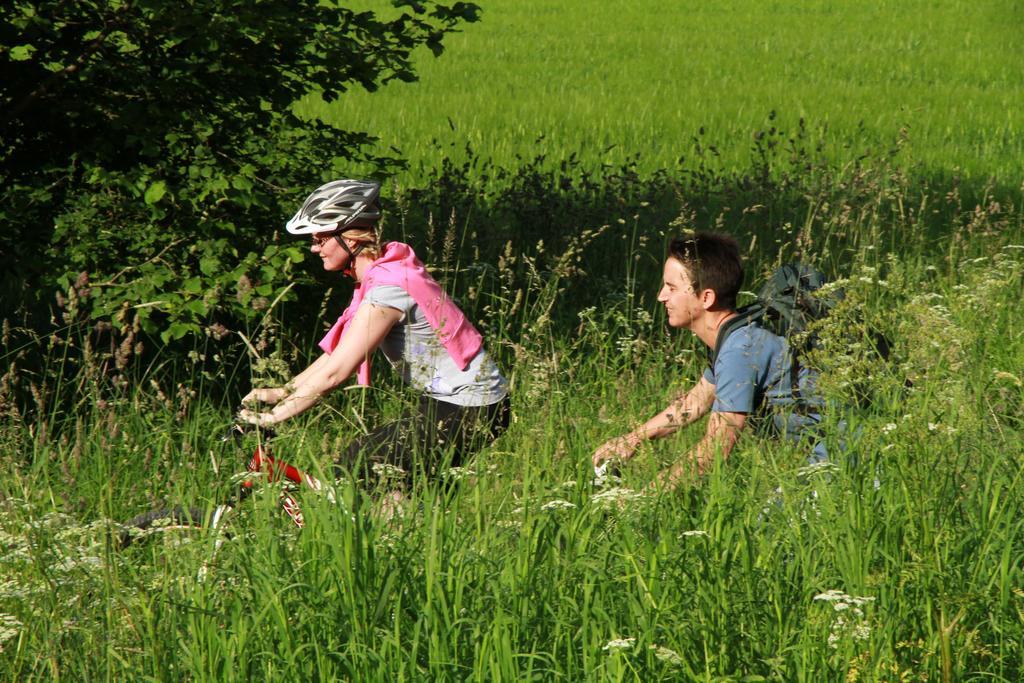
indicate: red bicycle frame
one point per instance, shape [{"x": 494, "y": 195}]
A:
[{"x": 276, "y": 470}]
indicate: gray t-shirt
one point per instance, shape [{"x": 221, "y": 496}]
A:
[
  {"x": 753, "y": 374},
  {"x": 412, "y": 347}
]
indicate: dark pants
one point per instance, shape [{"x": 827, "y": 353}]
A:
[{"x": 431, "y": 436}]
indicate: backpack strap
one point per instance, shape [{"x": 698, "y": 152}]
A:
[
  {"x": 784, "y": 306},
  {"x": 744, "y": 316}
]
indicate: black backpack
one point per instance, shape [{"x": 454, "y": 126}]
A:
[{"x": 786, "y": 305}]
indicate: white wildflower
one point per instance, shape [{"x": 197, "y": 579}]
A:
[
  {"x": 68, "y": 564},
  {"x": 643, "y": 316},
  {"x": 1000, "y": 374},
  {"x": 861, "y": 632},
  {"x": 666, "y": 655},
  {"x": 51, "y": 520},
  {"x": 617, "y": 644},
  {"x": 179, "y": 540},
  {"x": 558, "y": 505},
  {"x": 603, "y": 477},
  {"x": 889, "y": 427},
  {"x": 832, "y": 595},
  {"x": 9, "y": 628},
  {"x": 849, "y": 619},
  {"x": 457, "y": 473},
  {"x": 242, "y": 477},
  {"x": 823, "y": 467},
  {"x": 7, "y": 539},
  {"x": 12, "y": 588},
  {"x": 386, "y": 471},
  {"x": 387, "y": 541},
  {"x": 629, "y": 345},
  {"x": 830, "y": 287},
  {"x": 615, "y": 497}
]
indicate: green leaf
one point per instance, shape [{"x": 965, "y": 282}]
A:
[
  {"x": 155, "y": 192},
  {"x": 177, "y": 331},
  {"x": 241, "y": 183},
  {"x": 193, "y": 285},
  {"x": 198, "y": 307},
  {"x": 22, "y": 53},
  {"x": 209, "y": 265}
]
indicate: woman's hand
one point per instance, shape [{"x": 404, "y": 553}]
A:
[
  {"x": 619, "y": 448},
  {"x": 255, "y": 418},
  {"x": 266, "y": 395},
  {"x": 364, "y": 333}
]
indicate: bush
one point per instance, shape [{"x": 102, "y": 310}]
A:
[{"x": 152, "y": 144}]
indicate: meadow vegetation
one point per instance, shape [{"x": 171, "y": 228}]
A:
[
  {"x": 900, "y": 560},
  {"x": 606, "y": 83}
]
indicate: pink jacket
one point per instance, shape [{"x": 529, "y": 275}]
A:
[{"x": 400, "y": 267}]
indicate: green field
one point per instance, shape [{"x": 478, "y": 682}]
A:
[
  {"x": 607, "y": 81},
  {"x": 901, "y": 560}
]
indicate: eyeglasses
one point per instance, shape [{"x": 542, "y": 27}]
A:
[{"x": 319, "y": 239}]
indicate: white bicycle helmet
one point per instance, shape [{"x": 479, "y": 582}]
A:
[{"x": 337, "y": 205}]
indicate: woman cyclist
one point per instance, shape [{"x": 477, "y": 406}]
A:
[{"x": 397, "y": 307}]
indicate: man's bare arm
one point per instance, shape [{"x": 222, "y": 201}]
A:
[
  {"x": 685, "y": 410},
  {"x": 722, "y": 433}
]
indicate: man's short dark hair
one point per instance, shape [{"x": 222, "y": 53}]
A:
[{"x": 712, "y": 261}]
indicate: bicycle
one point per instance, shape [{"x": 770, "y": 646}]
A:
[{"x": 261, "y": 466}]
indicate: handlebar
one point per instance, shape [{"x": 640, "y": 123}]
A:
[{"x": 240, "y": 428}]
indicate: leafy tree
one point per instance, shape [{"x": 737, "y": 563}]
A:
[{"x": 153, "y": 144}]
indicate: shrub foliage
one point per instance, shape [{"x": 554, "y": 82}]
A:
[{"x": 150, "y": 144}]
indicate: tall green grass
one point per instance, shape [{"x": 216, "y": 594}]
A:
[
  {"x": 606, "y": 82},
  {"x": 902, "y": 560}
]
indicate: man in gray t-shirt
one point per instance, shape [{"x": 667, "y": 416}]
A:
[{"x": 751, "y": 381}]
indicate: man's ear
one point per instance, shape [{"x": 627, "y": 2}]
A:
[{"x": 708, "y": 299}]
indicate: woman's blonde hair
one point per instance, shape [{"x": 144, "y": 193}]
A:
[{"x": 365, "y": 235}]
